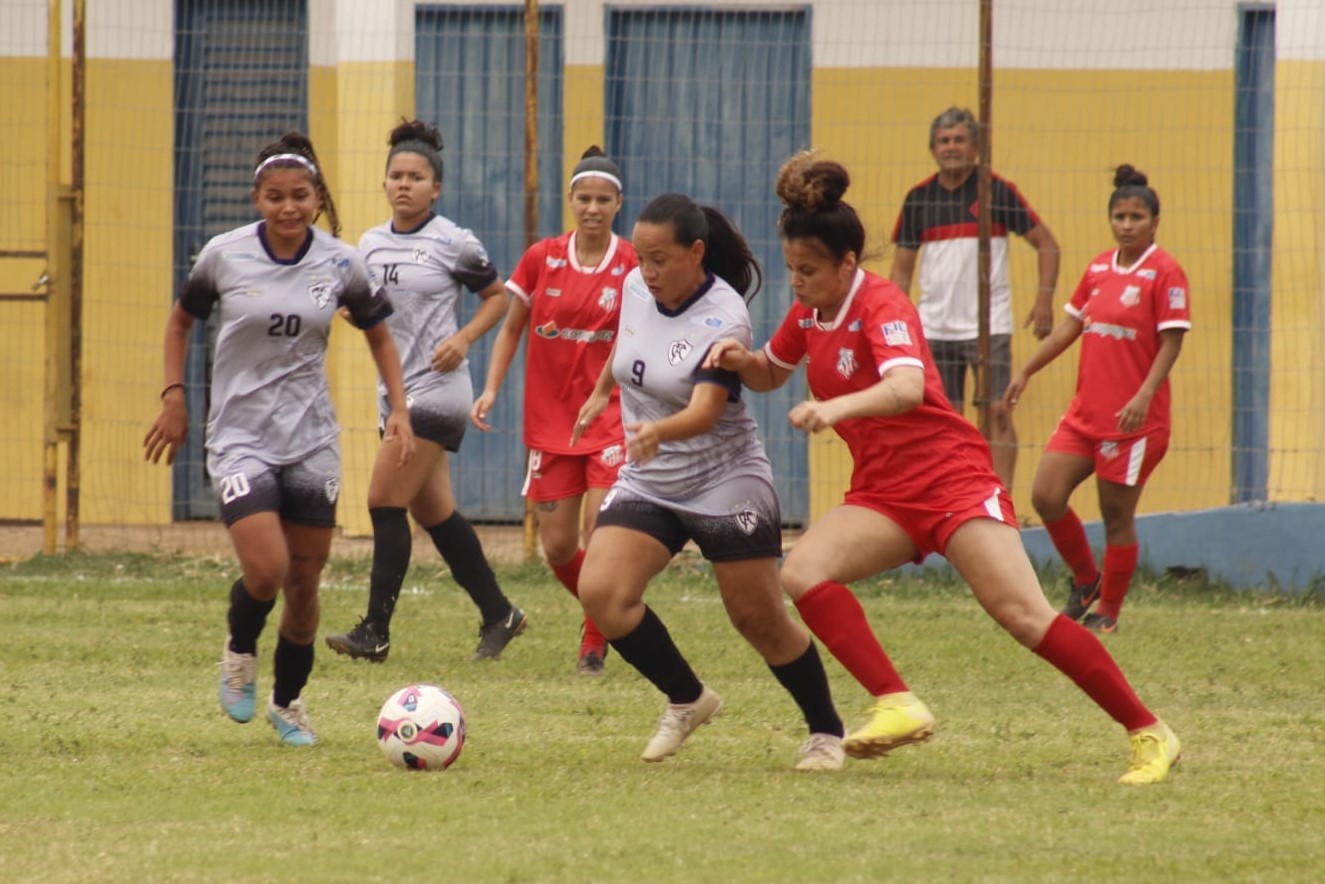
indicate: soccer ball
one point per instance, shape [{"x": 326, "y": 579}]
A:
[{"x": 421, "y": 727}]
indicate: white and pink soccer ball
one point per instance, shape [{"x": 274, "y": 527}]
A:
[{"x": 421, "y": 727}]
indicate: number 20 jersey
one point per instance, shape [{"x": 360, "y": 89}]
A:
[{"x": 269, "y": 384}]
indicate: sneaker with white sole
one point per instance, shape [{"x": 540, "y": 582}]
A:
[
  {"x": 679, "y": 721},
  {"x": 239, "y": 682},
  {"x": 821, "y": 752},
  {"x": 291, "y": 723}
]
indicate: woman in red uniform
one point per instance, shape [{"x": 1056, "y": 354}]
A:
[
  {"x": 1131, "y": 311},
  {"x": 567, "y": 289},
  {"x": 922, "y": 479}
]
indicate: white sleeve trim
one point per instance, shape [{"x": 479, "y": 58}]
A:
[
  {"x": 885, "y": 367},
  {"x": 517, "y": 291},
  {"x": 1072, "y": 311},
  {"x": 1184, "y": 324},
  {"x": 768, "y": 351}
]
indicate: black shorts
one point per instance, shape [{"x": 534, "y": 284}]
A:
[
  {"x": 751, "y": 532},
  {"x": 304, "y": 492},
  {"x": 954, "y": 357}
]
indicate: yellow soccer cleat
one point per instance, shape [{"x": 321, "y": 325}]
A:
[
  {"x": 898, "y": 719},
  {"x": 1155, "y": 751}
]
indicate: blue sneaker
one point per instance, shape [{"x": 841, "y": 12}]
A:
[
  {"x": 291, "y": 722},
  {"x": 239, "y": 681}
]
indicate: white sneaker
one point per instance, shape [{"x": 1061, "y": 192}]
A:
[
  {"x": 822, "y": 752},
  {"x": 239, "y": 680},
  {"x": 678, "y": 722},
  {"x": 291, "y": 722}
]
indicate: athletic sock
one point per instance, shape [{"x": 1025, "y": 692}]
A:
[
  {"x": 392, "y": 546},
  {"x": 1079, "y": 655},
  {"x": 459, "y": 546},
  {"x": 835, "y": 616},
  {"x": 1119, "y": 566},
  {"x": 569, "y": 576},
  {"x": 805, "y": 679},
  {"x": 650, "y": 649},
  {"x": 246, "y": 618},
  {"x": 1069, "y": 538},
  {"x": 292, "y": 665}
]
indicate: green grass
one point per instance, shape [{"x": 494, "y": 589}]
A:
[{"x": 117, "y": 765}]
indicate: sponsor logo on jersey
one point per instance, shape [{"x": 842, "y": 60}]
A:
[
  {"x": 619, "y": 270},
  {"x": 1177, "y": 298},
  {"x": 1098, "y": 268},
  {"x": 613, "y": 455},
  {"x": 607, "y": 499},
  {"x": 239, "y": 256},
  {"x": 1109, "y": 449},
  {"x": 342, "y": 263},
  {"x": 420, "y": 255},
  {"x": 710, "y": 320},
  {"x": 555, "y": 263},
  {"x": 320, "y": 293},
  {"x": 1146, "y": 274},
  {"x": 639, "y": 290},
  {"x": 552, "y": 293},
  {"x": 853, "y": 325},
  {"x": 332, "y": 489},
  {"x": 846, "y": 362},
  {"x": 546, "y": 330},
  {"x": 1095, "y": 291},
  {"x": 1131, "y": 296},
  {"x": 896, "y": 333},
  {"x": 677, "y": 351},
  {"x": 628, "y": 331},
  {"x": 607, "y": 300},
  {"x": 551, "y": 332},
  {"x": 747, "y": 520},
  {"x": 1109, "y": 330},
  {"x": 482, "y": 254},
  {"x": 805, "y": 322}
]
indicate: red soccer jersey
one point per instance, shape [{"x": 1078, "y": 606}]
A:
[
  {"x": 914, "y": 457},
  {"x": 573, "y": 314},
  {"x": 1122, "y": 311}
]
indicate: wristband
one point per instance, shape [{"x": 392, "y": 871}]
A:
[{"x": 170, "y": 387}]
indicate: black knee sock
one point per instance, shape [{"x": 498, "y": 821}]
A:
[
  {"x": 460, "y": 548},
  {"x": 392, "y": 545},
  {"x": 650, "y": 649},
  {"x": 246, "y": 617},
  {"x": 805, "y": 679},
  {"x": 292, "y": 666}
]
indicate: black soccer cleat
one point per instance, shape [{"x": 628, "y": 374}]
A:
[
  {"x": 364, "y": 642},
  {"x": 494, "y": 637},
  {"x": 1082, "y": 596}
]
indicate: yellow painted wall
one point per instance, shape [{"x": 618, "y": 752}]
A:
[
  {"x": 1297, "y": 392},
  {"x": 583, "y": 124},
  {"x": 1058, "y": 136}
]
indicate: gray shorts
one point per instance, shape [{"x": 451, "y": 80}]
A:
[
  {"x": 304, "y": 492},
  {"x": 953, "y": 358},
  {"x": 439, "y": 411},
  {"x": 753, "y": 530}
]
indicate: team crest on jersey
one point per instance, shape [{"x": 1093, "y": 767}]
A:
[
  {"x": 332, "y": 489},
  {"x": 420, "y": 255},
  {"x": 677, "y": 351},
  {"x": 1177, "y": 298},
  {"x": 1108, "y": 449},
  {"x": 619, "y": 270},
  {"x": 1131, "y": 296},
  {"x": 747, "y": 520},
  {"x": 320, "y": 293},
  {"x": 853, "y": 325},
  {"x": 896, "y": 333},
  {"x": 612, "y": 455},
  {"x": 1095, "y": 291},
  {"x": 846, "y": 362},
  {"x": 1148, "y": 273},
  {"x": 607, "y": 300}
]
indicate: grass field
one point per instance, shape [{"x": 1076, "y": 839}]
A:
[{"x": 116, "y": 763}]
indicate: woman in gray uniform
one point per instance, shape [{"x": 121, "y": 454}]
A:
[
  {"x": 695, "y": 470},
  {"x": 425, "y": 260},
  {"x": 272, "y": 448}
]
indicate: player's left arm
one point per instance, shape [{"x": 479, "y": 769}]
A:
[
  {"x": 398, "y": 427},
  {"x": 1133, "y": 415},
  {"x": 708, "y": 400},
  {"x": 1041, "y": 317},
  {"x": 900, "y": 389},
  {"x": 451, "y": 352}
]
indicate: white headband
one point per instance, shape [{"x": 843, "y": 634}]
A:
[
  {"x": 283, "y": 157},
  {"x": 594, "y": 173}
]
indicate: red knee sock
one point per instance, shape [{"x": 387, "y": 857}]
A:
[
  {"x": 1079, "y": 655},
  {"x": 834, "y": 615},
  {"x": 569, "y": 575},
  {"x": 1119, "y": 566},
  {"x": 1069, "y": 538}
]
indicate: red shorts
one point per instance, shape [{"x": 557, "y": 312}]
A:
[
  {"x": 559, "y": 476},
  {"x": 931, "y": 525},
  {"x": 1127, "y": 461}
]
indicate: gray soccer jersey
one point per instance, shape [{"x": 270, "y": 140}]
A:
[
  {"x": 656, "y": 365},
  {"x": 423, "y": 270},
  {"x": 269, "y": 383}
]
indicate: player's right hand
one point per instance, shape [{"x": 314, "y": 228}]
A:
[
  {"x": 478, "y": 415},
  {"x": 728, "y": 354},
  {"x": 592, "y": 407},
  {"x": 1015, "y": 388},
  {"x": 168, "y": 431}
]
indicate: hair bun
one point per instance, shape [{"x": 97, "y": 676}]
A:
[
  {"x": 592, "y": 150},
  {"x": 1128, "y": 176},
  {"x": 415, "y": 130},
  {"x": 811, "y": 184}
]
